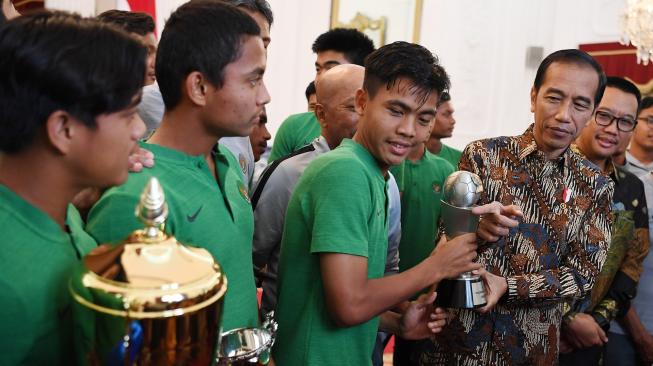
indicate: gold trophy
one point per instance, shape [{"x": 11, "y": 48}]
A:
[
  {"x": 462, "y": 190},
  {"x": 162, "y": 304}
]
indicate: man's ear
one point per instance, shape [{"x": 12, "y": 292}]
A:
[
  {"x": 533, "y": 97},
  {"x": 320, "y": 114},
  {"x": 196, "y": 87},
  {"x": 361, "y": 101},
  {"x": 60, "y": 130}
]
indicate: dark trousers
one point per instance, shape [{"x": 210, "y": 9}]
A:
[{"x": 582, "y": 357}]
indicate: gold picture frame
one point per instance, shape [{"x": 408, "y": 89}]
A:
[{"x": 366, "y": 23}]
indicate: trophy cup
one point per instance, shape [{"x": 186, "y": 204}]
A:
[
  {"x": 247, "y": 346},
  {"x": 162, "y": 308},
  {"x": 462, "y": 190}
]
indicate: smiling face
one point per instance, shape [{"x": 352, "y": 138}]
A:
[
  {"x": 101, "y": 153},
  {"x": 598, "y": 142},
  {"x": 643, "y": 135},
  {"x": 393, "y": 121},
  {"x": 234, "y": 109},
  {"x": 562, "y": 106}
]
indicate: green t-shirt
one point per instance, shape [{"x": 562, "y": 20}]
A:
[
  {"x": 339, "y": 206},
  {"x": 450, "y": 154},
  {"x": 37, "y": 261},
  {"x": 420, "y": 186},
  {"x": 295, "y": 132},
  {"x": 213, "y": 215}
]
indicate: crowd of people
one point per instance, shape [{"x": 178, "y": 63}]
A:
[{"x": 342, "y": 229}]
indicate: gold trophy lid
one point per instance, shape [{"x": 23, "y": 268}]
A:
[{"x": 153, "y": 276}]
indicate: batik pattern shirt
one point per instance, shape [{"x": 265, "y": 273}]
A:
[
  {"x": 553, "y": 256},
  {"x": 616, "y": 285}
]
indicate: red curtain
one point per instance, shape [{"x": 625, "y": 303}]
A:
[
  {"x": 143, "y": 6},
  {"x": 619, "y": 60}
]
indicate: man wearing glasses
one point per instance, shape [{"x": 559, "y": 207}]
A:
[
  {"x": 585, "y": 325},
  {"x": 631, "y": 337}
]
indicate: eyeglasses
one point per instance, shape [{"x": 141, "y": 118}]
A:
[
  {"x": 648, "y": 120},
  {"x": 624, "y": 124}
]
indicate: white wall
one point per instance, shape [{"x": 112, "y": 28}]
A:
[{"x": 481, "y": 43}]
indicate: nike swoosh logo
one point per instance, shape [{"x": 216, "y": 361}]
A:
[{"x": 192, "y": 217}]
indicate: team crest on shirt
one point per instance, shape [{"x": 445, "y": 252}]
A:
[
  {"x": 243, "y": 192},
  {"x": 437, "y": 187},
  {"x": 243, "y": 163}
]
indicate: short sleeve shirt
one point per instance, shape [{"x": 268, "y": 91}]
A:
[
  {"x": 36, "y": 263},
  {"x": 339, "y": 206},
  {"x": 420, "y": 186},
  {"x": 294, "y": 133},
  {"x": 213, "y": 215},
  {"x": 450, "y": 154}
]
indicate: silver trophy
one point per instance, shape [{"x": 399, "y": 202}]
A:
[
  {"x": 462, "y": 190},
  {"x": 248, "y": 346}
]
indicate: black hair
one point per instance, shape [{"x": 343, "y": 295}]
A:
[
  {"x": 310, "y": 90},
  {"x": 256, "y": 6},
  {"x": 52, "y": 60},
  {"x": 647, "y": 102},
  {"x": 203, "y": 36},
  {"x": 444, "y": 97},
  {"x": 572, "y": 56},
  {"x": 391, "y": 62},
  {"x": 625, "y": 86},
  {"x": 354, "y": 44},
  {"x": 139, "y": 23}
]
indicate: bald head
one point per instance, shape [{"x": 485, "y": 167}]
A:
[{"x": 335, "y": 109}]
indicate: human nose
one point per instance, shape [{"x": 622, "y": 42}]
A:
[
  {"x": 563, "y": 114},
  {"x": 263, "y": 95},
  {"x": 407, "y": 126},
  {"x": 139, "y": 128}
]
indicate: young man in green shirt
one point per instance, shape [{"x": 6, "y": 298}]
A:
[
  {"x": 443, "y": 128},
  {"x": 332, "y": 294},
  {"x": 420, "y": 179},
  {"x": 210, "y": 66},
  {"x": 335, "y": 47},
  {"x": 67, "y": 122}
]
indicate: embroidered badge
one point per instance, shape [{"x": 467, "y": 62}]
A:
[
  {"x": 243, "y": 163},
  {"x": 437, "y": 188},
  {"x": 243, "y": 192}
]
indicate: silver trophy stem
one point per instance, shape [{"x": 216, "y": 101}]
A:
[{"x": 467, "y": 290}]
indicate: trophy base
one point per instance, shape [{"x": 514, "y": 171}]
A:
[{"x": 465, "y": 292}]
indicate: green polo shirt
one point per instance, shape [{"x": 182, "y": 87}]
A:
[
  {"x": 295, "y": 132},
  {"x": 450, "y": 154},
  {"x": 36, "y": 262},
  {"x": 339, "y": 206},
  {"x": 213, "y": 215},
  {"x": 420, "y": 186}
]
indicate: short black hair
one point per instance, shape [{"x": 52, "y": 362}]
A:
[
  {"x": 139, "y": 23},
  {"x": 444, "y": 97},
  {"x": 256, "y": 6},
  {"x": 572, "y": 56},
  {"x": 625, "y": 86},
  {"x": 354, "y": 44},
  {"x": 52, "y": 60},
  {"x": 202, "y": 36},
  {"x": 391, "y": 62},
  {"x": 647, "y": 102},
  {"x": 310, "y": 90}
]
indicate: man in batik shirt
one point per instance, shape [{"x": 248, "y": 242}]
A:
[
  {"x": 585, "y": 326},
  {"x": 560, "y": 244}
]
